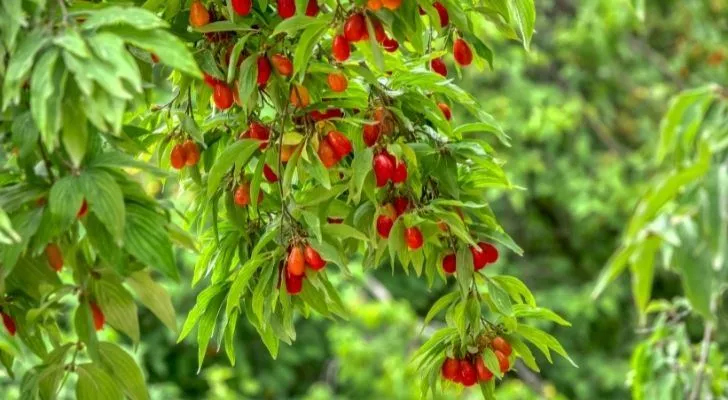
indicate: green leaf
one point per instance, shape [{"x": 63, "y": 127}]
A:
[
  {"x": 643, "y": 270},
  {"x": 241, "y": 282},
  {"x": 75, "y": 135},
  {"x": 105, "y": 200},
  {"x": 525, "y": 311},
  {"x": 672, "y": 122},
  {"x": 523, "y": 13},
  {"x": 154, "y": 297},
  {"x": 117, "y": 305},
  {"x": 146, "y": 238},
  {"x": 615, "y": 266},
  {"x": 70, "y": 40},
  {"x": 362, "y": 166},
  {"x": 201, "y": 304},
  {"x": 239, "y": 152},
  {"x": 65, "y": 199},
  {"x": 138, "y": 18},
  {"x": 247, "y": 79},
  {"x": 95, "y": 384},
  {"x": 523, "y": 351},
  {"x": 305, "y": 47},
  {"x": 500, "y": 298},
  {"x": 206, "y": 328},
  {"x": 20, "y": 65},
  {"x": 491, "y": 362},
  {"x": 124, "y": 370},
  {"x": 301, "y": 22},
  {"x": 343, "y": 231},
  {"x": 441, "y": 303},
  {"x": 543, "y": 341},
  {"x": 46, "y": 93},
  {"x": 518, "y": 290}
]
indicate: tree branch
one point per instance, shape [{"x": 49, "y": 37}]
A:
[{"x": 704, "y": 352}]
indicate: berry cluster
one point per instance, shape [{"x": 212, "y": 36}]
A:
[
  {"x": 300, "y": 257},
  {"x": 471, "y": 369},
  {"x": 184, "y": 154}
]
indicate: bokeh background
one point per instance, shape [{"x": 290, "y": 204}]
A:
[{"x": 582, "y": 109}]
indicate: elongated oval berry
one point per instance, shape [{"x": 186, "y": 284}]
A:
[
  {"x": 312, "y": 8},
  {"x": 286, "y": 8},
  {"x": 392, "y": 4},
  {"x": 442, "y": 13},
  {"x": 83, "y": 210},
  {"x": 340, "y": 48},
  {"x": 340, "y": 143},
  {"x": 484, "y": 374},
  {"x": 257, "y": 131},
  {"x": 294, "y": 283},
  {"x": 462, "y": 53},
  {"x": 337, "y": 81},
  {"x": 371, "y": 133},
  {"x": 263, "y": 70},
  {"x": 269, "y": 174},
  {"x": 390, "y": 45},
  {"x": 449, "y": 264},
  {"x": 379, "y": 34},
  {"x": 210, "y": 80},
  {"x": 400, "y": 173},
  {"x": 502, "y": 345},
  {"x": 192, "y": 153},
  {"x": 438, "y": 66},
  {"x": 242, "y": 7},
  {"x": 383, "y": 168},
  {"x": 98, "y": 315},
  {"x": 9, "y": 323},
  {"x": 295, "y": 264},
  {"x": 384, "y": 225},
  {"x": 199, "y": 15},
  {"x": 313, "y": 258},
  {"x": 242, "y": 194},
  {"x": 479, "y": 260},
  {"x": 223, "y": 96},
  {"x": 468, "y": 374},
  {"x": 299, "y": 96},
  {"x": 450, "y": 369},
  {"x": 326, "y": 154},
  {"x": 401, "y": 205},
  {"x": 54, "y": 256},
  {"x": 355, "y": 28},
  {"x": 282, "y": 64},
  {"x": 413, "y": 238},
  {"x": 178, "y": 158},
  {"x": 445, "y": 110},
  {"x": 503, "y": 362}
]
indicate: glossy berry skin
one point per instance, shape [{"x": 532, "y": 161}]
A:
[
  {"x": 438, "y": 66},
  {"x": 242, "y": 7},
  {"x": 413, "y": 238},
  {"x": 299, "y": 96},
  {"x": 83, "y": 210},
  {"x": 355, "y": 28},
  {"x": 199, "y": 16},
  {"x": 491, "y": 253},
  {"x": 313, "y": 258},
  {"x": 54, "y": 256},
  {"x": 484, "y": 374},
  {"x": 263, "y": 71},
  {"x": 384, "y": 225},
  {"x": 326, "y": 154},
  {"x": 178, "y": 158},
  {"x": 462, "y": 53},
  {"x": 269, "y": 175},
  {"x": 282, "y": 64},
  {"x": 479, "y": 259},
  {"x": 242, "y": 195},
  {"x": 258, "y": 131},
  {"x": 451, "y": 369},
  {"x": 286, "y": 152},
  {"x": 449, "y": 263},
  {"x": 337, "y": 82},
  {"x": 401, "y": 205},
  {"x": 296, "y": 264},
  {"x": 390, "y": 45},
  {"x": 312, "y": 8},
  {"x": 442, "y": 12},
  {"x": 223, "y": 96},
  {"x": 503, "y": 362},
  {"x": 340, "y": 143},
  {"x": 192, "y": 153},
  {"x": 294, "y": 283},
  {"x": 9, "y": 323},
  {"x": 98, "y": 316},
  {"x": 209, "y": 80},
  {"x": 445, "y": 110},
  {"x": 400, "y": 173},
  {"x": 379, "y": 34},
  {"x": 340, "y": 48},
  {"x": 468, "y": 374},
  {"x": 286, "y": 8},
  {"x": 371, "y": 133},
  {"x": 329, "y": 113},
  {"x": 383, "y": 169},
  {"x": 502, "y": 345}
]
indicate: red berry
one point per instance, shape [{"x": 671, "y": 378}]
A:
[
  {"x": 54, "y": 256},
  {"x": 479, "y": 259},
  {"x": 269, "y": 175},
  {"x": 192, "y": 153},
  {"x": 502, "y": 345},
  {"x": 401, "y": 205},
  {"x": 286, "y": 8},
  {"x": 9, "y": 323},
  {"x": 313, "y": 258},
  {"x": 442, "y": 12},
  {"x": 242, "y": 194},
  {"x": 326, "y": 154},
  {"x": 263, "y": 71},
  {"x": 294, "y": 283},
  {"x": 340, "y": 48},
  {"x": 400, "y": 173},
  {"x": 462, "y": 53},
  {"x": 337, "y": 81},
  {"x": 312, "y": 8},
  {"x": 468, "y": 374},
  {"x": 439, "y": 66},
  {"x": 491, "y": 253},
  {"x": 258, "y": 131},
  {"x": 355, "y": 28},
  {"x": 379, "y": 33},
  {"x": 451, "y": 369},
  {"x": 390, "y": 45},
  {"x": 449, "y": 263},
  {"x": 371, "y": 133},
  {"x": 413, "y": 238},
  {"x": 503, "y": 362},
  {"x": 484, "y": 374},
  {"x": 98, "y": 316},
  {"x": 242, "y": 7},
  {"x": 177, "y": 157},
  {"x": 383, "y": 168},
  {"x": 222, "y": 95},
  {"x": 282, "y": 64},
  {"x": 210, "y": 80},
  {"x": 340, "y": 143},
  {"x": 445, "y": 110},
  {"x": 296, "y": 263},
  {"x": 83, "y": 210},
  {"x": 384, "y": 225}
]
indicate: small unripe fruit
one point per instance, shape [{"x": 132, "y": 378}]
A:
[
  {"x": 468, "y": 374},
  {"x": 263, "y": 70},
  {"x": 295, "y": 264},
  {"x": 484, "y": 374},
  {"x": 54, "y": 256},
  {"x": 269, "y": 175},
  {"x": 337, "y": 81},
  {"x": 287, "y": 151},
  {"x": 371, "y": 133},
  {"x": 199, "y": 15},
  {"x": 445, "y": 110},
  {"x": 282, "y": 64},
  {"x": 294, "y": 283},
  {"x": 383, "y": 169},
  {"x": 503, "y": 362},
  {"x": 401, "y": 205},
  {"x": 442, "y": 12},
  {"x": 340, "y": 143},
  {"x": 413, "y": 238},
  {"x": 451, "y": 369},
  {"x": 438, "y": 66},
  {"x": 178, "y": 158},
  {"x": 299, "y": 96},
  {"x": 502, "y": 345},
  {"x": 313, "y": 258},
  {"x": 98, "y": 316},
  {"x": 312, "y": 8},
  {"x": 326, "y": 154},
  {"x": 83, "y": 210},
  {"x": 9, "y": 323},
  {"x": 355, "y": 28},
  {"x": 340, "y": 48},
  {"x": 223, "y": 96},
  {"x": 449, "y": 264},
  {"x": 242, "y": 7},
  {"x": 392, "y": 4},
  {"x": 400, "y": 173},
  {"x": 384, "y": 225},
  {"x": 390, "y": 45},
  {"x": 286, "y": 8},
  {"x": 462, "y": 53},
  {"x": 192, "y": 153},
  {"x": 155, "y": 58}
]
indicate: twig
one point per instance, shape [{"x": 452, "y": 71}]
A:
[
  {"x": 704, "y": 352},
  {"x": 46, "y": 161}
]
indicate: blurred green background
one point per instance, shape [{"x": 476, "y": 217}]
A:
[{"x": 582, "y": 109}]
